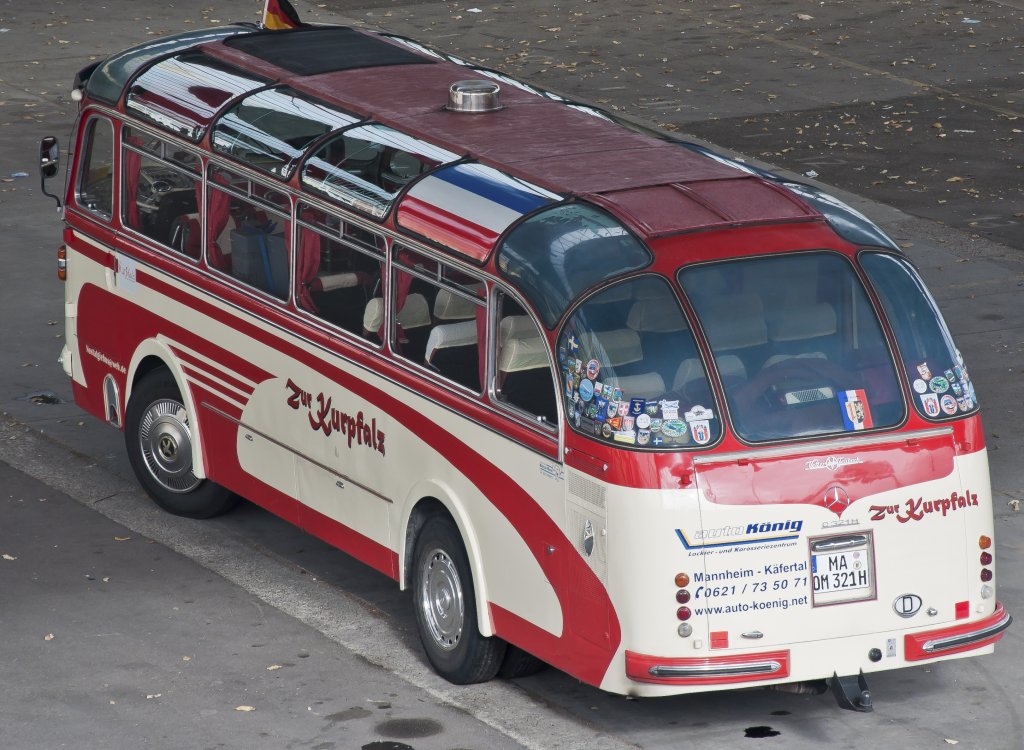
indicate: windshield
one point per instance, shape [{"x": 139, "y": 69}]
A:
[
  {"x": 934, "y": 367},
  {"x": 631, "y": 371},
  {"x": 797, "y": 345}
]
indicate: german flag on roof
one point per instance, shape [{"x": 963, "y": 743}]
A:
[{"x": 279, "y": 15}]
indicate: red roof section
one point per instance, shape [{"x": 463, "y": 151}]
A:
[{"x": 655, "y": 185}]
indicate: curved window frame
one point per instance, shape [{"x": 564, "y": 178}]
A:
[
  {"x": 362, "y": 198},
  {"x": 543, "y": 303},
  {"x": 914, "y": 276},
  {"x": 687, "y": 316},
  {"x": 112, "y": 74},
  {"x": 285, "y": 167},
  {"x": 234, "y": 82}
]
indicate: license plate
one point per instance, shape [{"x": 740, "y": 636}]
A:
[{"x": 842, "y": 569}]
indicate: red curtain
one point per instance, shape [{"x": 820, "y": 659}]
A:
[
  {"x": 402, "y": 281},
  {"x": 132, "y": 168},
  {"x": 218, "y": 213},
  {"x": 307, "y": 264}
]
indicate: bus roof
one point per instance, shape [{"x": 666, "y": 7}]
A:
[
  {"x": 555, "y": 148},
  {"x": 643, "y": 179}
]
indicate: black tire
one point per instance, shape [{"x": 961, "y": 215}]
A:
[
  {"x": 519, "y": 663},
  {"x": 158, "y": 437},
  {"x": 446, "y": 615}
]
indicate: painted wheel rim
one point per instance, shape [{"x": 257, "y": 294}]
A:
[
  {"x": 441, "y": 600},
  {"x": 166, "y": 443}
]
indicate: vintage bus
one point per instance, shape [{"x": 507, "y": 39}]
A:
[{"x": 600, "y": 398}]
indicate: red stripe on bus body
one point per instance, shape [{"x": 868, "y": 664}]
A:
[
  {"x": 375, "y": 362},
  {"x": 203, "y": 394},
  {"x": 286, "y": 319},
  {"x": 536, "y": 528},
  {"x": 228, "y": 471},
  {"x": 207, "y": 370}
]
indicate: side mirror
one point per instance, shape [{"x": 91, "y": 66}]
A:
[{"x": 49, "y": 163}]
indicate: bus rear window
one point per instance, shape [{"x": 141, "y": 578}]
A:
[
  {"x": 933, "y": 365},
  {"x": 797, "y": 346}
]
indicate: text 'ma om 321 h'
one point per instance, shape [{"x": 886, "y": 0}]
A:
[{"x": 598, "y": 397}]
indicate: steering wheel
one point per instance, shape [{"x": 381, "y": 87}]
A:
[{"x": 762, "y": 399}]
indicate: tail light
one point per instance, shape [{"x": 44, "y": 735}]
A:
[
  {"x": 682, "y": 580},
  {"x": 985, "y": 543},
  {"x": 62, "y": 263}
]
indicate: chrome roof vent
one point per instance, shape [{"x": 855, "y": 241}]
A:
[{"x": 474, "y": 96}]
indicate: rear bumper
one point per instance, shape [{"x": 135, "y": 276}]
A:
[
  {"x": 775, "y": 666},
  {"x": 715, "y": 670},
  {"x": 957, "y": 639}
]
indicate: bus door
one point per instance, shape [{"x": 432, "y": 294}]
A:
[{"x": 811, "y": 543}]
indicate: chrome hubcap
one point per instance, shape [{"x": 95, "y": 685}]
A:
[
  {"x": 166, "y": 443},
  {"x": 441, "y": 600}
]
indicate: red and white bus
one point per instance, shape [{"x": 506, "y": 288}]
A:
[{"x": 599, "y": 397}]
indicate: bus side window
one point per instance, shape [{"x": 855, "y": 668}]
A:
[
  {"x": 440, "y": 318},
  {"x": 159, "y": 195},
  {"x": 522, "y": 377},
  {"x": 338, "y": 274},
  {"x": 96, "y": 170},
  {"x": 248, "y": 237}
]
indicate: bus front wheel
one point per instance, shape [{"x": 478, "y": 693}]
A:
[
  {"x": 158, "y": 436},
  {"x": 446, "y": 615}
]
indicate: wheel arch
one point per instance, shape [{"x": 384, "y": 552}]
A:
[
  {"x": 152, "y": 355},
  {"x": 432, "y": 499}
]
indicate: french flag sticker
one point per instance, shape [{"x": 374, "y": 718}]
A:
[{"x": 855, "y": 410}]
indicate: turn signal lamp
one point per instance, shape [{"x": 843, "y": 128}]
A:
[
  {"x": 62, "y": 263},
  {"x": 682, "y": 580},
  {"x": 984, "y": 542}
]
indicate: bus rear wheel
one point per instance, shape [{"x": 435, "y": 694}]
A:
[
  {"x": 158, "y": 437},
  {"x": 446, "y": 615}
]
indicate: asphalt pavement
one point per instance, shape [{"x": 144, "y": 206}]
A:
[
  {"x": 112, "y": 640},
  {"x": 908, "y": 110}
]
